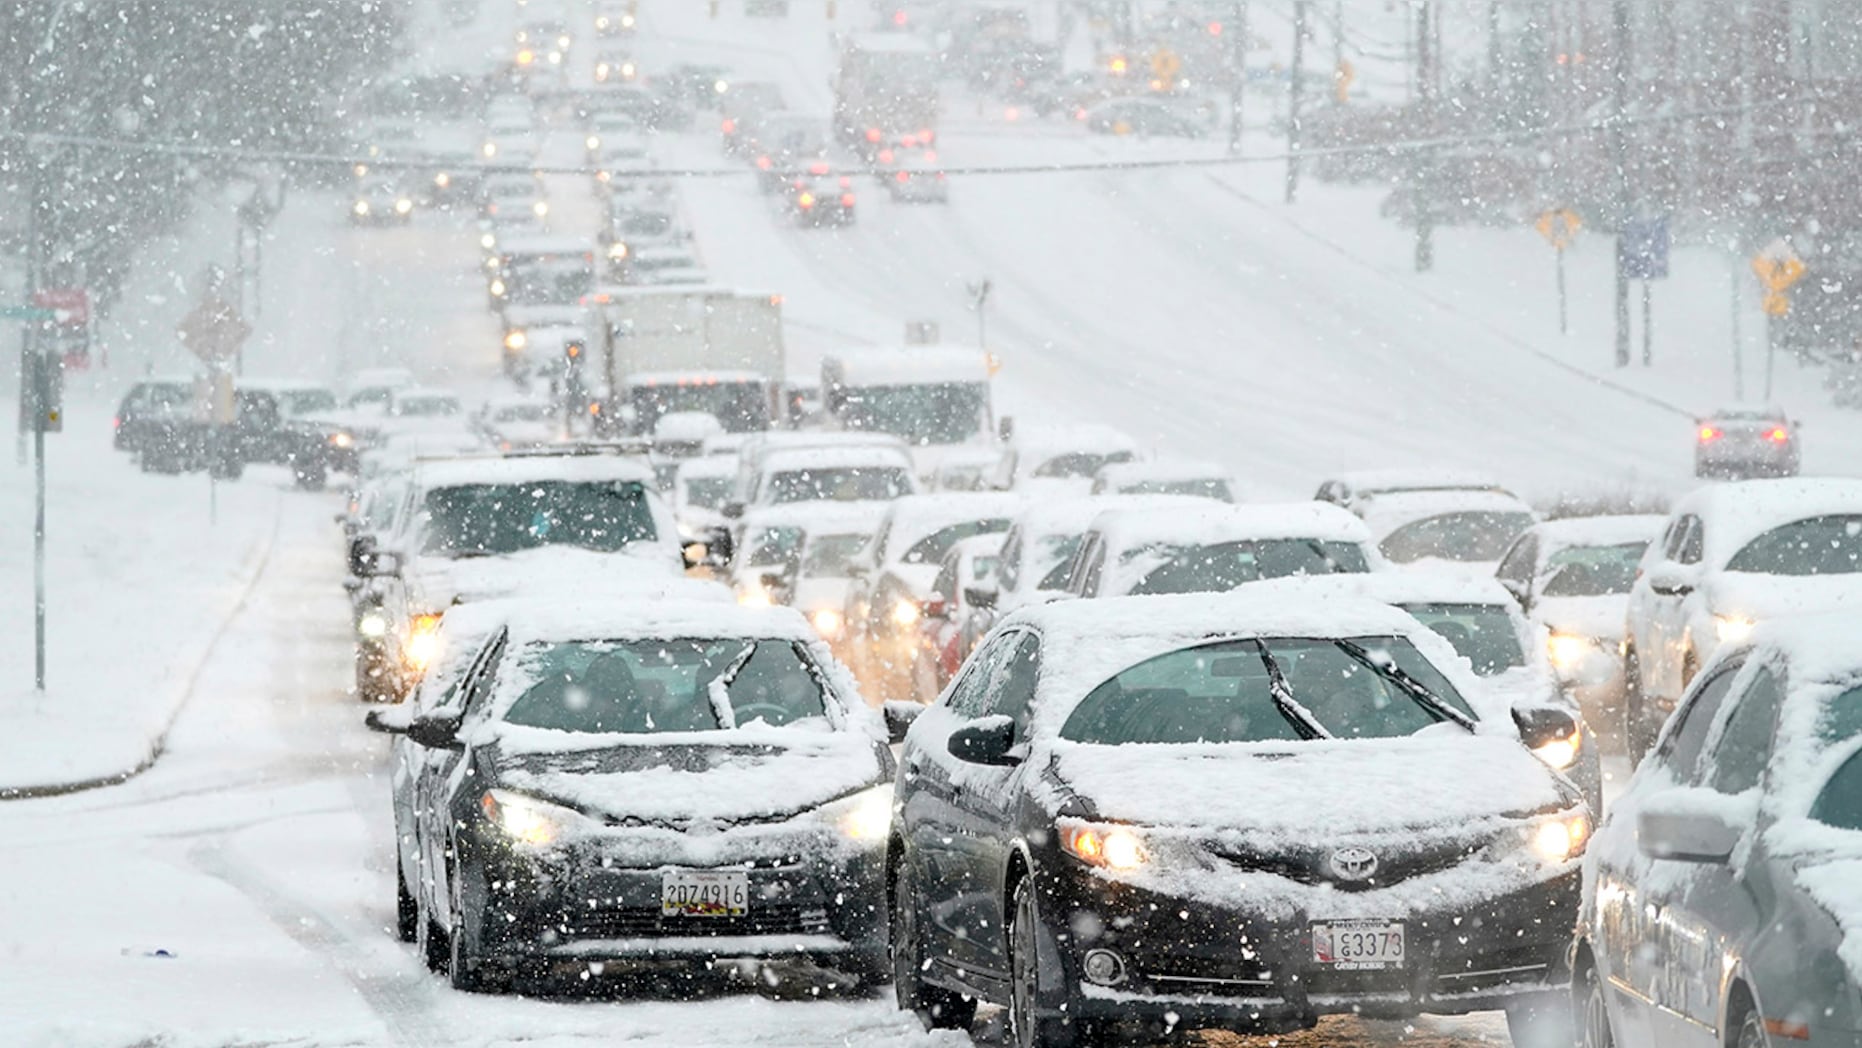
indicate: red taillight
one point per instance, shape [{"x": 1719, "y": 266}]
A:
[
  {"x": 845, "y": 182},
  {"x": 116, "y": 422},
  {"x": 930, "y": 156},
  {"x": 819, "y": 167},
  {"x": 885, "y": 156},
  {"x": 729, "y": 126},
  {"x": 846, "y": 200},
  {"x": 899, "y": 18},
  {"x": 904, "y": 176},
  {"x": 1709, "y": 434},
  {"x": 762, "y": 163},
  {"x": 1777, "y": 435},
  {"x": 872, "y": 134}
]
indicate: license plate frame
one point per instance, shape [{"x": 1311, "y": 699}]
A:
[
  {"x": 703, "y": 894},
  {"x": 1359, "y": 944}
]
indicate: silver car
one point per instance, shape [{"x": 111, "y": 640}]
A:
[{"x": 1723, "y": 895}]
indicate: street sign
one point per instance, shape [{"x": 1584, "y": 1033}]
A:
[
  {"x": 1642, "y": 248},
  {"x": 1559, "y": 226},
  {"x": 1778, "y": 267},
  {"x": 71, "y": 306},
  {"x": 1775, "y": 303},
  {"x": 27, "y": 313},
  {"x": 1342, "y": 79},
  {"x": 213, "y": 331}
]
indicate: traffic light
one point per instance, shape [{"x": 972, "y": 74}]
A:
[{"x": 572, "y": 353}]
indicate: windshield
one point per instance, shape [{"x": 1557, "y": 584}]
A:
[
  {"x": 928, "y": 414},
  {"x": 1466, "y": 537},
  {"x": 1226, "y": 565},
  {"x": 931, "y": 548},
  {"x": 844, "y": 484},
  {"x": 1225, "y": 692},
  {"x": 740, "y": 407},
  {"x": 1208, "y": 489},
  {"x": 306, "y": 401},
  {"x": 772, "y": 547},
  {"x": 548, "y": 283},
  {"x": 1819, "y": 546},
  {"x": 425, "y": 407},
  {"x": 829, "y": 555},
  {"x": 1081, "y": 464},
  {"x": 1481, "y": 633},
  {"x": 484, "y": 519},
  {"x": 525, "y": 413},
  {"x": 1840, "y": 803},
  {"x": 659, "y": 686},
  {"x": 708, "y": 492},
  {"x": 1592, "y": 571}
]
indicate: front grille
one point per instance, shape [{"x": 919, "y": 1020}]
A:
[
  {"x": 1311, "y": 867},
  {"x": 640, "y": 922}
]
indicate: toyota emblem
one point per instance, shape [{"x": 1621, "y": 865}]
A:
[{"x": 1354, "y": 864}]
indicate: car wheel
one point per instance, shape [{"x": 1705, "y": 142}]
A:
[
  {"x": 1750, "y": 1030},
  {"x": 935, "y": 1007},
  {"x": 430, "y": 940},
  {"x": 469, "y": 970},
  {"x": 1027, "y": 1029},
  {"x": 406, "y": 910},
  {"x": 1542, "y": 1021},
  {"x": 1638, "y": 737},
  {"x": 1594, "y": 1011}
]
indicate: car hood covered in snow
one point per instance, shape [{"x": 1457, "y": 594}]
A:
[
  {"x": 643, "y": 566},
  {"x": 1600, "y": 618}
]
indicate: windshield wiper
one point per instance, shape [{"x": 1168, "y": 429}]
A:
[
  {"x": 719, "y": 690},
  {"x": 1413, "y": 688},
  {"x": 1290, "y": 709}
]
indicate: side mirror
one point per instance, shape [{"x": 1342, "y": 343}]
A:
[
  {"x": 985, "y": 741},
  {"x": 1542, "y": 725},
  {"x": 388, "y": 722},
  {"x": 900, "y": 716},
  {"x": 982, "y": 598},
  {"x": 1671, "y": 580},
  {"x": 381, "y": 565},
  {"x": 435, "y": 733},
  {"x": 1005, "y": 428},
  {"x": 1688, "y": 825},
  {"x": 732, "y": 510}
]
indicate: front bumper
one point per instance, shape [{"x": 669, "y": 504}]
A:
[{"x": 1192, "y": 965}]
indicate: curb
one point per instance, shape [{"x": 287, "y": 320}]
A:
[{"x": 160, "y": 742}]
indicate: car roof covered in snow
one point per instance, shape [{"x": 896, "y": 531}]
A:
[
  {"x": 1038, "y": 442},
  {"x": 905, "y": 365},
  {"x": 1387, "y": 481},
  {"x": 539, "y": 620},
  {"x": 1386, "y": 513},
  {"x": 686, "y": 425},
  {"x": 708, "y": 466},
  {"x": 858, "y": 456},
  {"x": 822, "y": 517},
  {"x": 913, "y": 517},
  {"x": 1204, "y": 522},
  {"x": 1398, "y": 587},
  {"x": 1118, "y": 474},
  {"x": 1613, "y": 530},
  {"x": 546, "y": 244},
  {"x": 522, "y": 469},
  {"x": 1736, "y": 513}
]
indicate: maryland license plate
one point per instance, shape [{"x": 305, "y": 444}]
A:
[
  {"x": 695, "y": 893},
  {"x": 1358, "y": 945}
]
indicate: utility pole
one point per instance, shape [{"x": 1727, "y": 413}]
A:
[
  {"x": 1422, "y": 169},
  {"x": 1238, "y": 72},
  {"x": 1619, "y": 150},
  {"x": 1296, "y": 88}
]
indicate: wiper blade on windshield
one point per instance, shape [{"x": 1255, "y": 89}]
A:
[
  {"x": 1409, "y": 685},
  {"x": 719, "y": 690},
  {"x": 1281, "y": 692}
]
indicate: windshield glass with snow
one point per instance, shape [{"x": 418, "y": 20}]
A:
[
  {"x": 1592, "y": 571},
  {"x": 740, "y": 407},
  {"x": 829, "y": 555},
  {"x": 708, "y": 492},
  {"x": 1227, "y": 692},
  {"x": 1226, "y": 565},
  {"x": 1206, "y": 489},
  {"x": 658, "y": 686},
  {"x": 469, "y": 520},
  {"x": 1468, "y": 537},
  {"x": 305, "y": 401},
  {"x": 1483, "y": 634},
  {"x": 931, "y": 548},
  {"x": 840, "y": 484},
  {"x": 930, "y": 414},
  {"x": 1819, "y": 546}
]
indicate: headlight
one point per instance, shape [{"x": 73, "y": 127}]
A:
[
  {"x": 1562, "y": 838},
  {"x": 865, "y": 816},
  {"x": 905, "y": 612},
  {"x": 488, "y": 241},
  {"x": 403, "y": 206},
  {"x": 1568, "y": 651},
  {"x": 525, "y": 819},
  {"x": 361, "y": 169},
  {"x": 362, "y": 207},
  {"x": 516, "y": 340},
  {"x": 490, "y": 149},
  {"x": 593, "y": 142},
  {"x": 373, "y": 625},
  {"x": 1113, "y": 847},
  {"x": 342, "y": 440},
  {"x": 754, "y": 597},
  {"x": 442, "y": 180},
  {"x": 1561, "y": 753},
  {"x": 497, "y": 289},
  {"x": 541, "y": 207},
  {"x": 1732, "y": 629},
  {"x": 627, "y": 70},
  {"x": 617, "y": 251},
  {"x": 827, "y": 622},
  {"x": 423, "y": 642}
]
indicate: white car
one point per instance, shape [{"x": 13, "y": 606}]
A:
[
  {"x": 838, "y": 472},
  {"x": 1205, "y": 546},
  {"x": 1573, "y": 576},
  {"x": 800, "y": 555},
  {"x": 1462, "y": 531},
  {"x": 516, "y": 422},
  {"x": 1352, "y": 489},
  {"x": 1732, "y": 556},
  {"x": 1167, "y": 477},
  {"x": 700, "y": 488},
  {"x": 1060, "y": 460}
]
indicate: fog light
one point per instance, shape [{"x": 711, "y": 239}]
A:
[{"x": 1103, "y": 967}]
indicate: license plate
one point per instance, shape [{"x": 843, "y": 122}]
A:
[
  {"x": 691, "y": 893},
  {"x": 1358, "y": 945}
]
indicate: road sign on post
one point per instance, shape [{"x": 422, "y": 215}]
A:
[
  {"x": 213, "y": 331},
  {"x": 1642, "y": 254},
  {"x": 1777, "y": 266},
  {"x": 1559, "y": 227}
]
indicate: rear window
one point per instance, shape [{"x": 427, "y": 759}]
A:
[
  {"x": 1829, "y": 545},
  {"x": 1481, "y": 633},
  {"x": 1224, "y": 566},
  {"x": 486, "y": 519},
  {"x": 1205, "y": 489},
  {"x": 848, "y": 484},
  {"x": 1079, "y": 464},
  {"x": 931, "y": 548},
  {"x": 654, "y": 686},
  {"x": 1592, "y": 571},
  {"x": 830, "y": 555},
  {"x": 1223, "y": 692},
  {"x": 1466, "y": 537}
]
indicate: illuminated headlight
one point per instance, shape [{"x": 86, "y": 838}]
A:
[
  {"x": 362, "y": 207},
  {"x": 1568, "y": 650},
  {"x": 721, "y": 86},
  {"x": 442, "y": 180},
  {"x": 403, "y": 206},
  {"x": 490, "y": 149},
  {"x": 905, "y": 612},
  {"x": 563, "y": 42},
  {"x": 627, "y": 70},
  {"x": 602, "y": 22},
  {"x": 617, "y": 251},
  {"x": 1112, "y": 847},
  {"x": 342, "y": 440},
  {"x": 827, "y": 622},
  {"x": 541, "y": 208},
  {"x": 423, "y": 642},
  {"x": 601, "y": 73},
  {"x": 1561, "y": 753},
  {"x": 488, "y": 242},
  {"x": 603, "y": 176},
  {"x": 593, "y": 142},
  {"x": 516, "y": 340},
  {"x": 373, "y": 625},
  {"x": 627, "y": 21},
  {"x": 1732, "y": 629},
  {"x": 497, "y": 289},
  {"x": 555, "y": 58},
  {"x": 361, "y": 169},
  {"x": 865, "y": 816},
  {"x": 1561, "y": 838},
  {"x": 524, "y": 58},
  {"x": 526, "y": 819},
  {"x": 754, "y": 597}
]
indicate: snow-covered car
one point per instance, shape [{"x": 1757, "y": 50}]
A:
[
  {"x": 1167, "y": 477},
  {"x": 916, "y": 177},
  {"x": 894, "y": 576},
  {"x": 665, "y": 781},
  {"x": 1723, "y": 898},
  {"x": 966, "y": 469},
  {"x": 1038, "y": 550},
  {"x": 818, "y": 197},
  {"x": 143, "y": 413},
  {"x": 755, "y": 448},
  {"x": 700, "y": 488},
  {"x": 857, "y": 473},
  {"x": 771, "y": 562},
  {"x": 1351, "y": 490},
  {"x": 956, "y": 614},
  {"x": 380, "y": 200},
  {"x": 373, "y": 388},
  {"x": 788, "y": 144},
  {"x": 673, "y": 262},
  {"x": 424, "y": 402},
  {"x": 1160, "y": 811},
  {"x": 514, "y": 423},
  {"x": 1461, "y": 531},
  {"x": 1573, "y": 576},
  {"x": 615, "y": 66},
  {"x": 1206, "y": 546},
  {"x": 1163, "y": 116},
  {"x": 1743, "y": 443},
  {"x": 1061, "y": 460},
  {"x": 475, "y": 529},
  {"x": 1502, "y": 648},
  {"x": 1732, "y": 556}
]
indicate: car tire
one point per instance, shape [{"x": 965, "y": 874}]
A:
[
  {"x": 1026, "y": 1029},
  {"x": 1748, "y": 1030},
  {"x": 935, "y": 1007},
  {"x": 466, "y": 966},
  {"x": 430, "y": 941},
  {"x": 1593, "y": 1011},
  {"x": 406, "y": 910},
  {"x": 1638, "y": 737},
  {"x": 1542, "y": 1021}
]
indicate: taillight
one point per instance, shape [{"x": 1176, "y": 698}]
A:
[
  {"x": 846, "y": 200},
  {"x": 1709, "y": 434},
  {"x": 904, "y": 176},
  {"x": 1777, "y": 435},
  {"x": 762, "y": 163},
  {"x": 116, "y": 422},
  {"x": 872, "y": 134},
  {"x": 845, "y": 182},
  {"x": 729, "y": 126}
]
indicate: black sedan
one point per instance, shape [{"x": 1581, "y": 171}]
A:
[
  {"x": 1148, "y": 815},
  {"x": 592, "y": 788}
]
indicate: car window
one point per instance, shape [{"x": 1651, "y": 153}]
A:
[
  {"x": 1744, "y": 747},
  {"x": 1465, "y": 537},
  {"x": 656, "y": 686},
  {"x": 1015, "y": 680},
  {"x": 1829, "y": 545},
  {"x": 1092, "y": 565},
  {"x": 842, "y": 484},
  {"x": 970, "y": 696},
  {"x": 1517, "y": 565},
  {"x": 1008, "y": 562},
  {"x": 485, "y": 519},
  {"x": 931, "y": 548},
  {"x": 944, "y": 587},
  {"x": 1688, "y": 551},
  {"x": 1680, "y": 747},
  {"x": 1224, "y": 566},
  {"x": 1593, "y": 571},
  {"x": 1481, "y": 633},
  {"x": 829, "y": 555},
  {"x": 1840, "y": 802}
]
